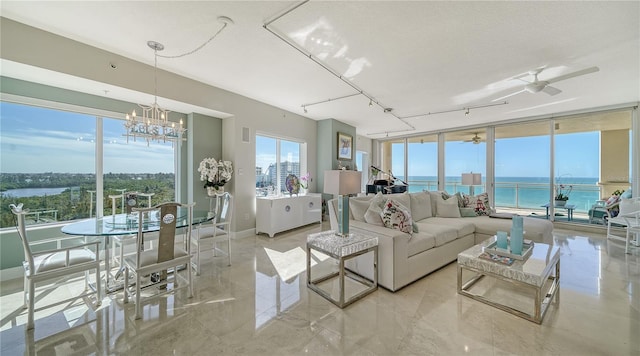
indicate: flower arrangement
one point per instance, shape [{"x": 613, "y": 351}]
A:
[
  {"x": 562, "y": 192},
  {"x": 215, "y": 173},
  {"x": 304, "y": 180}
]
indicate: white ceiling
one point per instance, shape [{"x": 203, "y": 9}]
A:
[{"x": 415, "y": 57}]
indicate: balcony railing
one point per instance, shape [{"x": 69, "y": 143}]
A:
[{"x": 519, "y": 195}]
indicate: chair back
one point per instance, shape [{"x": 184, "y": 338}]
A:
[
  {"x": 166, "y": 215},
  {"x": 130, "y": 201},
  {"x": 223, "y": 209},
  {"x": 22, "y": 232}
]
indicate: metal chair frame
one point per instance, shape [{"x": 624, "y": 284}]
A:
[{"x": 218, "y": 231}]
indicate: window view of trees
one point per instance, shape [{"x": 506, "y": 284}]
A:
[{"x": 47, "y": 163}]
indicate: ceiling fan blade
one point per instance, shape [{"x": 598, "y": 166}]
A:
[
  {"x": 508, "y": 95},
  {"x": 551, "y": 90},
  {"x": 574, "y": 74}
]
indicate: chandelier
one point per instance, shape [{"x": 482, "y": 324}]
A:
[{"x": 153, "y": 124}]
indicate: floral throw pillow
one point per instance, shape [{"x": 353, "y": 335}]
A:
[
  {"x": 480, "y": 203},
  {"x": 396, "y": 216}
]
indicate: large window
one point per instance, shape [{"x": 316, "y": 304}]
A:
[
  {"x": 48, "y": 161},
  {"x": 465, "y": 152},
  {"x": 422, "y": 163},
  {"x": 522, "y": 164},
  {"x": 592, "y": 157},
  {"x": 276, "y": 159}
]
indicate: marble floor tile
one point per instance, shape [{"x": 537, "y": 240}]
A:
[{"x": 260, "y": 305}]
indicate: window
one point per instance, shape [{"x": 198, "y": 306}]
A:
[
  {"x": 422, "y": 162},
  {"x": 48, "y": 160},
  {"x": 465, "y": 152},
  {"x": 521, "y": 185},
  {"x": 276, "y": 159}
]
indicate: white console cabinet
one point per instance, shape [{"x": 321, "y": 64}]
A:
[{"x": 277, "y": 214}]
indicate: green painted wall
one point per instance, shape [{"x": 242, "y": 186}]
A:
[{"x": 328, "y": 148}]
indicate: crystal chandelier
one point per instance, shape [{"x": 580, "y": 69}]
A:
[{"x": 153, "y": 124}]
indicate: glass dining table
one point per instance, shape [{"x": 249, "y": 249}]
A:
[{"x": 126, "y": 224}]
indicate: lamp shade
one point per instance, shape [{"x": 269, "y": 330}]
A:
[
  {"x": 342, "y": 182},
  {"x": 471, "y": 179}
]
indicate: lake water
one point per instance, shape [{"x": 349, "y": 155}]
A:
[{"x": 32, "y": 192}]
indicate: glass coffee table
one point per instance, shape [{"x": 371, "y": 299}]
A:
[
  {"x": 536, "y": 277},
  {"x": 342, "y": 249}
]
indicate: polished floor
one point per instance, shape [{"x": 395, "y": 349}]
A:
[{"x": 261, "y": 306}]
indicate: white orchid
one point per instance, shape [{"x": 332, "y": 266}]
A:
[{"x": 215, "y": 173}]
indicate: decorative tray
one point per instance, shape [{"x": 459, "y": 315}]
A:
[{"x": 527, "y": 248}]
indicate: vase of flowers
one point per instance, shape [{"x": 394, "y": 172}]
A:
[
  {"x": 215, "y": 174},
  {"x": 304, "y": 183},
  {"x": 562, "y": 194}
]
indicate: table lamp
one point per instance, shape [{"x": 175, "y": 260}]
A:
[
  {"x": 471, "y": 179},
  {"x": 342, "y": 183}
]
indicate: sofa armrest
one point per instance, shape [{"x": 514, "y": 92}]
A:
[{"x": 392, "y": 255}]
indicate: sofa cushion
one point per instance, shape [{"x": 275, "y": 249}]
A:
[
  {"x": 538, "y": 230},
  {"x": 358, "y": 207},
  {"x": 420, "y": 205},
  {"x": 448, "y": 208},
  {"x": 462, "y": 226},
  {"x": 441, "y": 233},
  {"x": 396, "y": 216},
  {"x": 420, "y": 242}
]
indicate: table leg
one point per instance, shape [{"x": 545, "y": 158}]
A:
[{"x": 547, "y": 213}]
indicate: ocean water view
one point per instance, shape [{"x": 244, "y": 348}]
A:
[{"x": 519, "y": 192}]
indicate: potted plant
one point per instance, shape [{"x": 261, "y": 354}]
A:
[
  {"x": 215, "y": 174},
  {"x": 562, "y": 194}
]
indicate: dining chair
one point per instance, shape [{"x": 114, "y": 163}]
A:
[
  {"x": 218, "y": 231},
  {"x": 129, "y": 201},
  {"x": 165, "y": 255},
  {"x": 52, "y": 265}
]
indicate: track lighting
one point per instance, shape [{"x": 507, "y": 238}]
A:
[
  {"x": 466, "y": 113},
  {"x": 305, "y": 109},
  {"x": 370, "y": 103}
]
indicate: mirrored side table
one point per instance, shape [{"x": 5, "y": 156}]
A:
[{"x": 342, "y": 249}]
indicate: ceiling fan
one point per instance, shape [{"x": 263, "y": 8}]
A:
[
  {"x": 475, "y": 139},
  {"x": 544, "y": 85}
]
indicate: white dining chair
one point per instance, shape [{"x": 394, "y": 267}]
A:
[
  {"x": 164, "y": 256},
  {"x": 216, "y": 231},
  {"x": 128, "y": 201},
  {"x": 52, "y": 265}
]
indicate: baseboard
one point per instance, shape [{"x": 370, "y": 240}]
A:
[
  {"x": 11, "y": 273},
  {"x": 244, "y": 233}
]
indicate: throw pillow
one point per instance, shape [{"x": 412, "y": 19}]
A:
[
  {"x": 420, "y": 205},
  {"x": 396, "y": 216},
  {"x": 358, "y": 208},
  {"x": 481, "y": 204},
  {"x": 448, "y": 208},
  {"x": 468, "y": 212},
  {"x": 373, "y": 214},
  {"x": 461, "y": 200}
]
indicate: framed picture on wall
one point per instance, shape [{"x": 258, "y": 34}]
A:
[{"x": 345, "y": 146}]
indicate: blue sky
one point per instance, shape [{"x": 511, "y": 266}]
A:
[{"x": 37, "y": 140}]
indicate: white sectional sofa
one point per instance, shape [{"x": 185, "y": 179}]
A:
[{"x": 406, "y": 257}]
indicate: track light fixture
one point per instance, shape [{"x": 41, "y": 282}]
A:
[
  {"x": 466, "y": 113},
  {"x": 304, "y": 108},
  {"x": 370, "y": 102}
]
